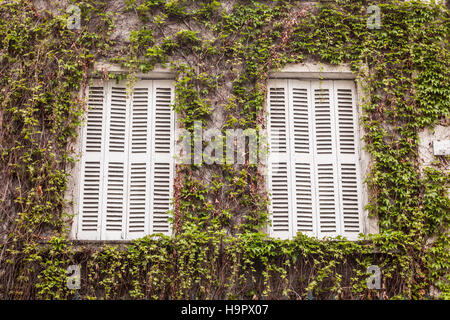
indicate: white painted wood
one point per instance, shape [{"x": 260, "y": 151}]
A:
[
  {"x": 279, "y": 160},
  {"x": 325, "y": 159},
  {"x": 116, "y": 162},
  {"x": 314, "y": 171},
  {"x": 139, "y": 153},
  {"x": 302, "y": 156},
  {"x": 91, "y": 169},
  {"x": 126, "y": 182},
  {"x": 349, "y": 171},
  {"x": 162, "y": 168}
]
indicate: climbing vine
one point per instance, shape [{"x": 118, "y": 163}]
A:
[{"x": 222, "y": 52}]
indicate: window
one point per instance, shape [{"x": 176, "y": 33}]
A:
[
  {"x": 314, "y": 172},
  {"x": 127, "y": 161}
]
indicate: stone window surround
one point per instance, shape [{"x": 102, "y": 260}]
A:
[{"x": 315, "y": 71}]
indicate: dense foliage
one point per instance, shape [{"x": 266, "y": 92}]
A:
[{"x": 222, "y": 55}]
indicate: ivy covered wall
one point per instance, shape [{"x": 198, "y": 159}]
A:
[{"x": 222, "y": 52}]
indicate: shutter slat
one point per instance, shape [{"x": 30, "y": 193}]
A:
[
  {"x": 162, "y": 120},
  {"x": 327, "y": 198},
  {"x": 304, "y": 198},
  {"x": 115, "y": 199},
  {"x": 278, "y": 119},
  {"x": 138, "y": 206},
  {"x": 301, "y": 119},
  {"x": 140, "y": 123},
  {"x": 346, "y": 121},
  {"x": 323, "y": 126},
  {"x": 350, "y": 201},
  {"x": 280, "y": 199},
  {"x": 94, "y": 127},
  {"x": 117, "y": 120},
  {"x": 90, "y": 197},
  {"x": 161, "y": 197}
]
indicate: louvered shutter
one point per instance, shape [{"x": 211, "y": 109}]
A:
[
  {"x": 314, "y": 174},
  {"x": 138, "y": 212},
  {"x": 302, "y": 151},
  {"x": 116, "y": 155},
  {"x": 279, "y": 159},
  {"x": 326, "y": 178},
  {"x": 162, "y": 155},
  {"x": 91, "y": 180},
  {"x": 348, "y": 158}
]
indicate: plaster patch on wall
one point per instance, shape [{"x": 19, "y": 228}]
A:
[{"x": 426, "y": 154}]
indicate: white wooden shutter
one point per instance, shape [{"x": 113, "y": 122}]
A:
[
  {"x": 279, "y": 159},
  {"x": 138, "y": 212},
  {"x": 162, "y": 155},
  {"x": 314, "y": 175},
  {"x": 348, "y": 159},
  {"x": 302, "y": 151},
  {"x": 327, "y": 194},
  {"x": 116, "y": 154},
  {"x": 91, "y": 177}
]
